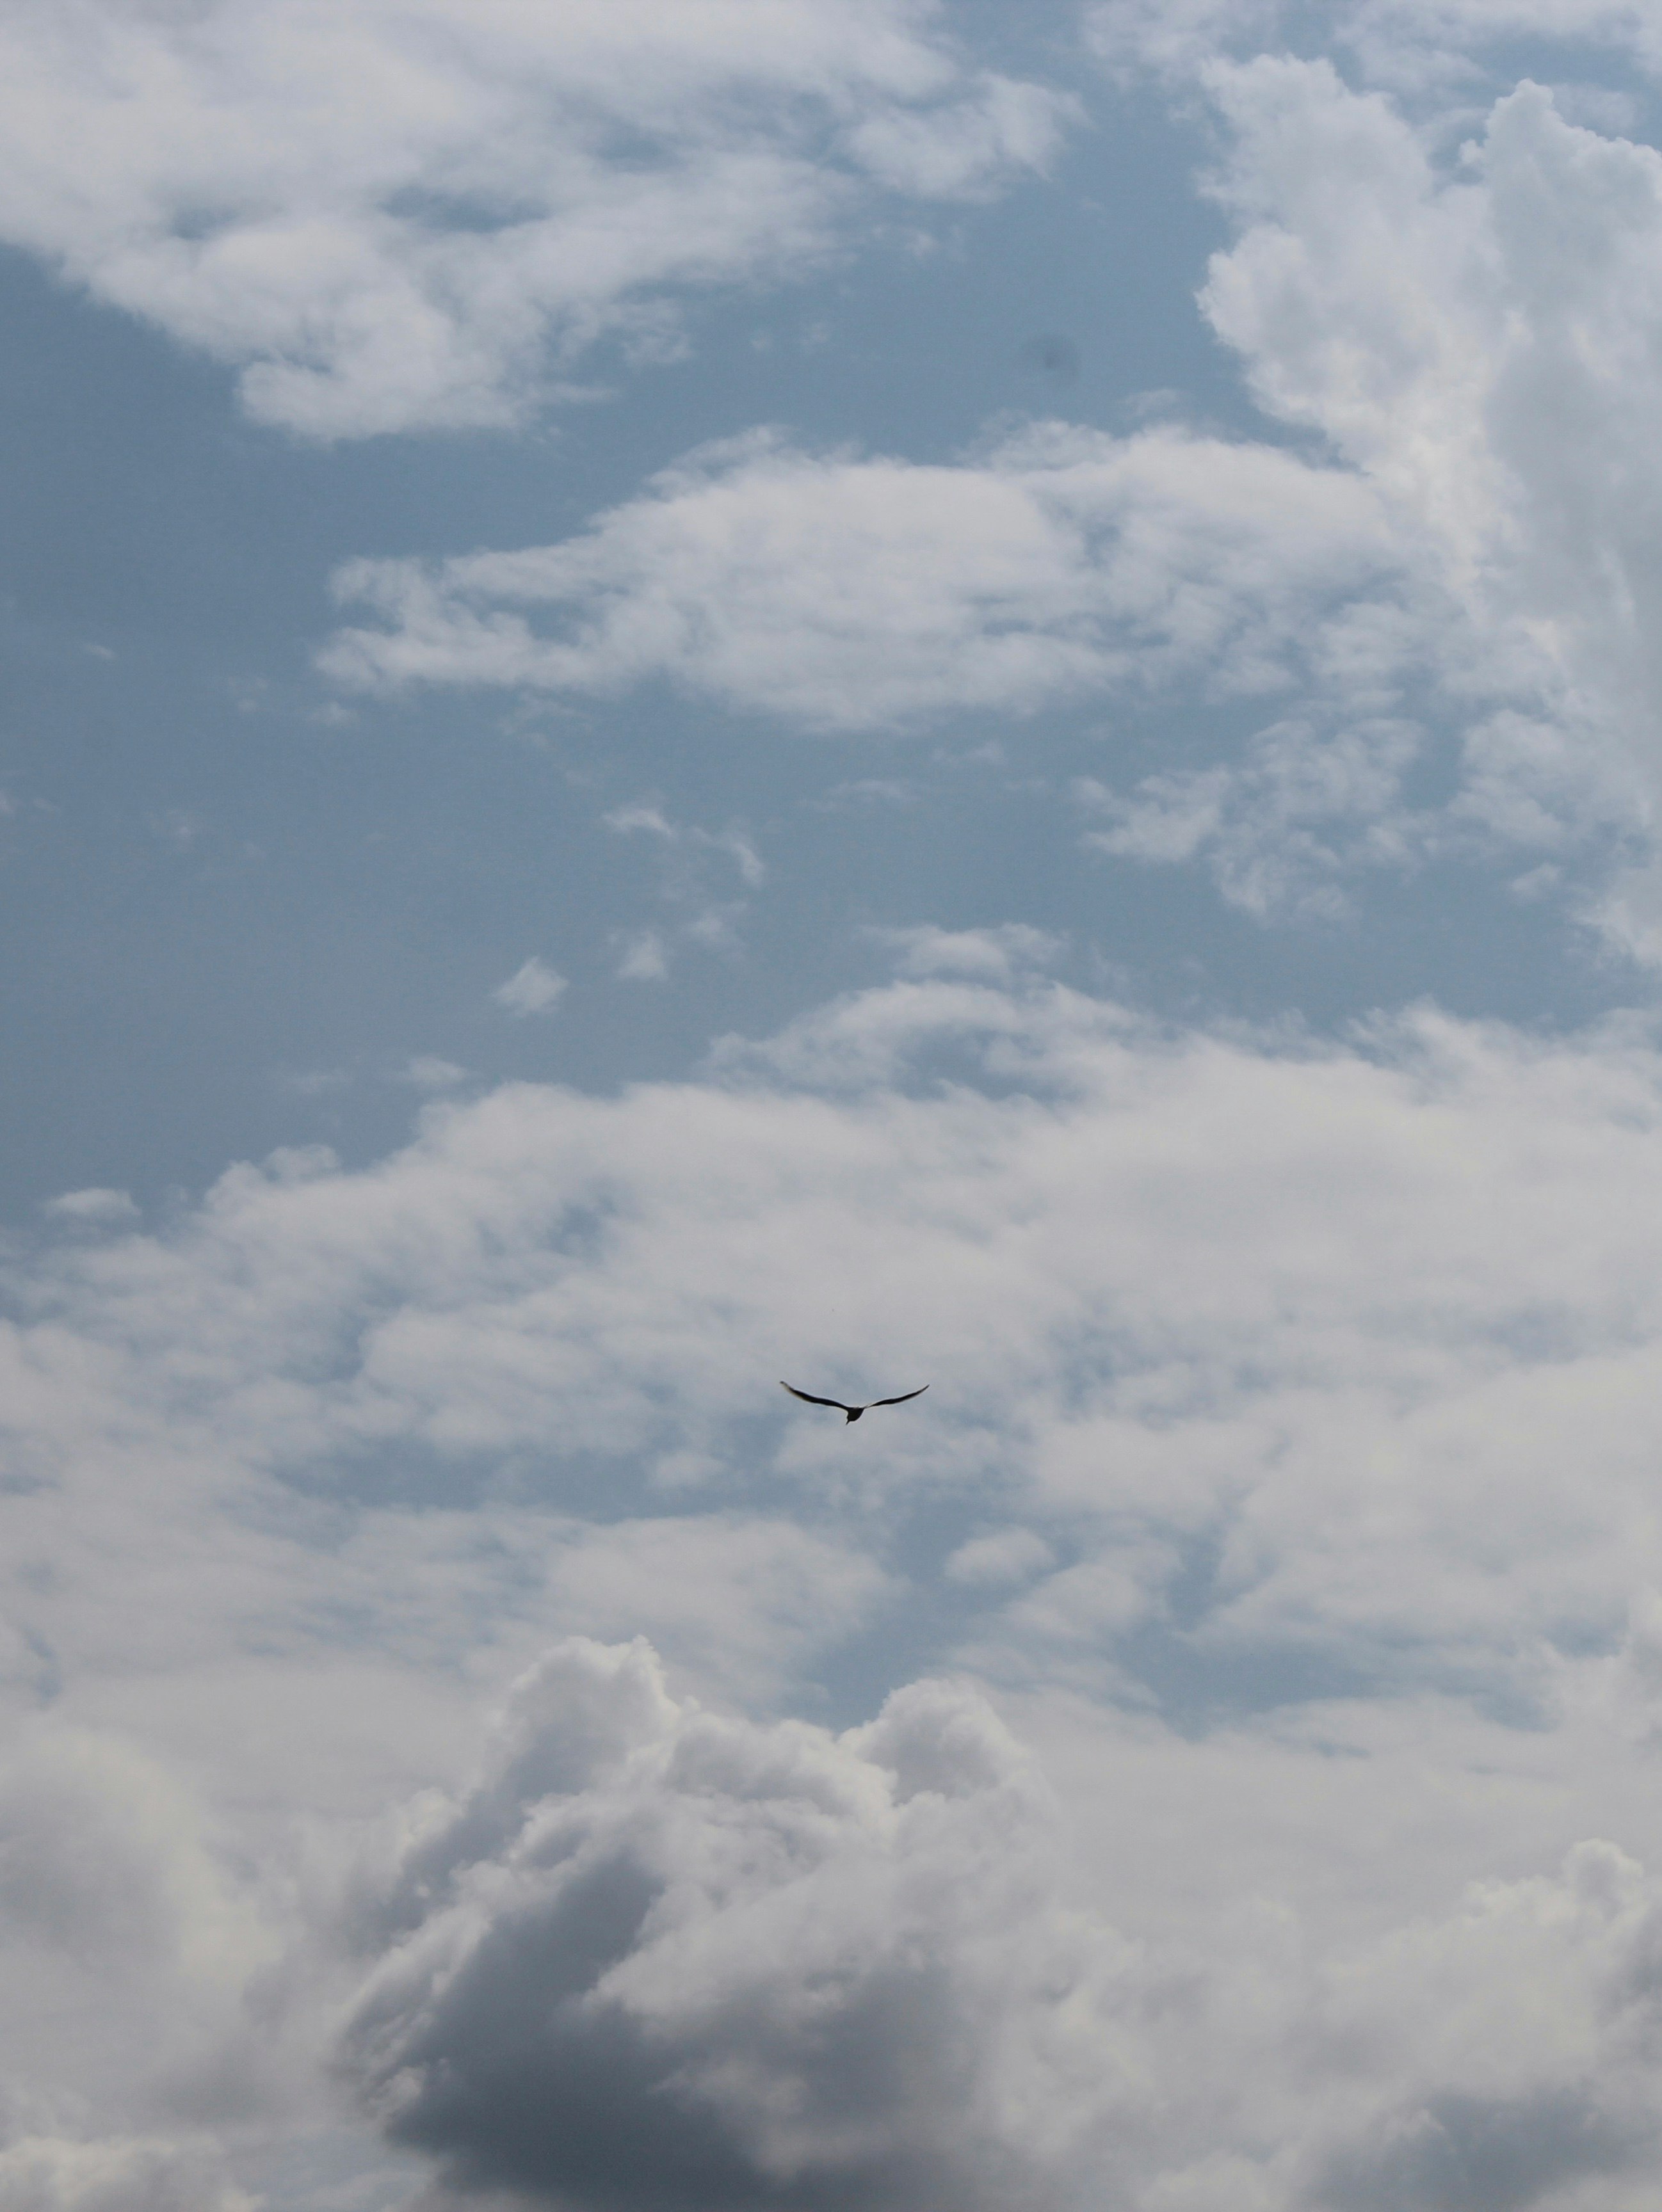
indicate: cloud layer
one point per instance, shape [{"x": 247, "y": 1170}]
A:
[
  {"x": 416, "y": 213},
  {"x": 656, "y": 1957},
  {"x": 1286, "y": 1480},
  {"x": 1162, "y": 1286}
]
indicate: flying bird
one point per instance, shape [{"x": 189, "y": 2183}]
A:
[{"x": 853, "y": 1411}]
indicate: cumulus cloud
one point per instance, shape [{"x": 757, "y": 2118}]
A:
[
  {"x": 1490, "y": 373},
  {"x": 655, "y": 1954},
  {"x": 421, "y": 213},
  {"x": 658, "y": 1955},
  {"x": 1467, "y": 317}
]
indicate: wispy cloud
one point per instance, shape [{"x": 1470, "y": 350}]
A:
[
  {"x": 101, "y": 1207},
  {"x": 533, "y": 988},
  {"x": 853, "y": 594},
  {"x": 1430, "y": 50},
  {"x": 421, "y": 213},
  {"x": 995, "y": 955},
  {"x": 642, "y": 956},
  {"x": 696, "y": 869},
  {"x": 427, "y": 1071}
]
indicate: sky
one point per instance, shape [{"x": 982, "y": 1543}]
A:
[{"x": 879, "y": 694}]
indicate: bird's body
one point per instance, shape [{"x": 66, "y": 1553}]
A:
[{"x": 853, "y": 1411}]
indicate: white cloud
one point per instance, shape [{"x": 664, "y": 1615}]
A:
[
  {"x": 695, "y": 870},
  {"x": 1434, "y": 49},
  {"x": 643, "y": 958},
  {"x": 741, "y": 1603},
  {"x": 427, "y": 1071},
  {"x": 125, "y": 1947},
  {"x": 995, "y": 955},
  {"x": 1490, "y": 373},
  {"x": 1289, "y": 827},
  {"x": 653, "y": 1949},
  {"x": 864, "y": 792},
  {"x": 414, "y": 213},
  {"x": 1473, "y": 328},
  {"x": 1175, "y": 38},
  {"x": 852, "y": 594},
  {"x": 318, "y": 1082},
  {"x": 1008, "y": 1555},
  {"x": 1288, "y": 1478},
  {"x": 680, "y": 837},
  {"x": 533, "y": 988},
  {"x": 1458, "y": 584},
  {"x": 1193, "y": 1284},
  {"x": 97, "y": 1207}
]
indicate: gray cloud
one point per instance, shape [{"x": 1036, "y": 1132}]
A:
[
  {"x": 665, "y": 1960},
  {"x": 656, "y": 1958},
  {"x": 1465, "y": 2154},
  {"x": 49, "y": 2173}
]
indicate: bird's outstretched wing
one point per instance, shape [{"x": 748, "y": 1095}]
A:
[
  {"x": 808, "y": 1398},
  {"x": 900, "y": 1400}
]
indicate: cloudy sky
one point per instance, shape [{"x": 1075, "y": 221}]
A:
[{"x": 701, "y": 690}]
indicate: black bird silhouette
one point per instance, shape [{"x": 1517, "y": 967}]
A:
[{"x": 853, "y": 1411}]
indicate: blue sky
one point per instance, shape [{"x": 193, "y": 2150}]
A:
[{"x": 879, "y": 694}]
